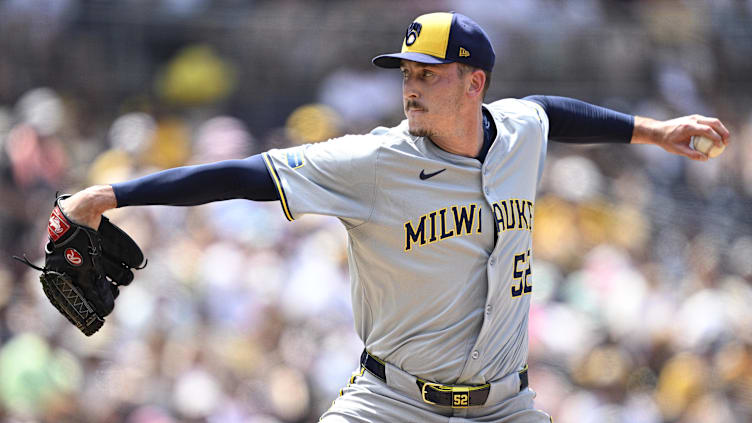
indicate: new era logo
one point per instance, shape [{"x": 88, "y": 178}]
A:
[{"x": 464, "y": 53}]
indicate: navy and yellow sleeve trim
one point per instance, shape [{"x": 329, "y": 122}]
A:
[{"x": 278, "y": 184}]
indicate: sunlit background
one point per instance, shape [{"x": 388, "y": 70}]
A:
[{"x": 642, "y": 307}]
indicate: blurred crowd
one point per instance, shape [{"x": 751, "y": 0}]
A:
[{"x": 643, "y": 260}]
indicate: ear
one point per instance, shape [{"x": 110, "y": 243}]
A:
[{"x": 477, "y": 82}]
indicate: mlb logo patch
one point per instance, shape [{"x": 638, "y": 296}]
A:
[{"x": 295, "y": 158}]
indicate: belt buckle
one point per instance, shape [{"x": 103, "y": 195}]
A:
[
  {"x": 423, "y": 392},
  {"x": 460, "y": 394}
]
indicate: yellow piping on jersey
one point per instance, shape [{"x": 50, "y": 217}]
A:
[{"x": 275, "y": 177}]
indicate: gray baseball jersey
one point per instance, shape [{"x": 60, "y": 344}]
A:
[{"x": 439, "y": 244}]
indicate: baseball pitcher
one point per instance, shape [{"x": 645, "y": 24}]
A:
[{"x": 439, "y": 212}]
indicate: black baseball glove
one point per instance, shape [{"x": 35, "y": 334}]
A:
[{"x": 83, "y": 268}]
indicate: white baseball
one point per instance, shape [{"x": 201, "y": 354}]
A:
[{"x": 706, "y": 146}]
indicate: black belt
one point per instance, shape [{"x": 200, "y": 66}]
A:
[{"x": 435, "y": 393}]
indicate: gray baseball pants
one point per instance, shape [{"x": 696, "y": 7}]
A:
[{"x": 367, "y": 399}]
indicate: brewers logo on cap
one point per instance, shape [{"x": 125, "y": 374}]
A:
[
  {"x": 412, "y": 33},
  {"x": 437, "y": 38}
]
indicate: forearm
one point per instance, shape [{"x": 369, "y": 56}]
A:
[
  {"x": 193, "y": 185},
  {"x": 575, "y": 121},
  {"x": 183, "y": 186}
]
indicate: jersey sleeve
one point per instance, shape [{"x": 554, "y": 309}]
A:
[
  {"x": 529, "y": 113},
  {"x": 333, "y": 178},
  {"x": 540, "y": 115},
  {"x": 529, "y": 120},
  {"x": 543, "y": 123}
]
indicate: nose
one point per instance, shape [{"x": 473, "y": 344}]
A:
[
  {"x": 409, "y": 89},
  {"x": 409, "y": 94}
]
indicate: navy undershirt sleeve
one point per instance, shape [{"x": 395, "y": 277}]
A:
[
  {"x": 575, "y": 121},
  {"x": 489, "y": 135},
  {"x": 192, "y": 185}
]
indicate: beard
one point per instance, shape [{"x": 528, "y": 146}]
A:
[
  {"x": 420, "y": 132},
  {"x": 417, "y": 132}
]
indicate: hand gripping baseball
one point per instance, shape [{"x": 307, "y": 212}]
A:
[
  {"x": 674, "y": 135},
  {"x": 83, "y": 268}
]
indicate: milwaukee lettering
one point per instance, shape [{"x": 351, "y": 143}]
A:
[
  {"x": 453, "y": 221},
  {"x": 513, "y": 214}
]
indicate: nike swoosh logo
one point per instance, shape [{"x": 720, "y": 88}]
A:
[{"x": 424, "y": 175}]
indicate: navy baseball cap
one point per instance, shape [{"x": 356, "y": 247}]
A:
[{"x": 443, "y": 38}]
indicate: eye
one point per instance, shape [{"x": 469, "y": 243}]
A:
[
  {"x": 404, "y": 73},
  {"x": 427, "y": 73}
]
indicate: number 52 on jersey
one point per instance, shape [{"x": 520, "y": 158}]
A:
[{"x": 521, "y": 282}]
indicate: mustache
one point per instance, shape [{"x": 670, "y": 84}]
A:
[{"x": 414, "y": 104}]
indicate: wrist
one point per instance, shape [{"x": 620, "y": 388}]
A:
[
  {"x": 645, "y": 131},
  {"x": 102, "y": 198},
  {"x": 86, "y": 207}
]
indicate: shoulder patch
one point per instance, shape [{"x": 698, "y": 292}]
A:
[{"x": 295, "y": 158}]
